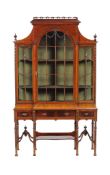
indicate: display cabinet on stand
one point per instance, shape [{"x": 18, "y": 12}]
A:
[{"x": 55, "y": 79}]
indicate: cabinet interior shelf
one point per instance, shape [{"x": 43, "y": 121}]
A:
[
  {"x": 55, "y": 46},
  {"x": 26, "y": 59},
  {"x": 85, "y": 86},
  {"x": 26, "y": 86},
  {"x": 85, "y": 60},
  {"x": 53, "y": 60},
  {"x": 26, "y": 76},
  {"x": 58, "y": 87}
]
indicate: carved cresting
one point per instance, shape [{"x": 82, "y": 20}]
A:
[{"x": 57, "y": 17}]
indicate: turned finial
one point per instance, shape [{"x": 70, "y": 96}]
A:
[
  {"x": 85, "y": 127},
  {"x": 25, "y": 127},
  {"x": 95, "y": 36},
  {"x": 15, "y": 37}
]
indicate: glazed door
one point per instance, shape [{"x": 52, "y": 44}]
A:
[
  {"x": 55, "y": 68},
  {"x": 85, "y": 79},
  {"x": 24, "y": 73}
]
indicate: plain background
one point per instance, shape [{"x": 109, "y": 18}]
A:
[{"x": 54, "y": 157}]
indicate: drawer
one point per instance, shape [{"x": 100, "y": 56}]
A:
[
  {"x": 53, "y": 113},
  {"x": 66, "y": 113},
  {"x": 24, "y": 114},
  {"x": 86, "y": 113},
  {"x": 45, "y": 113}
]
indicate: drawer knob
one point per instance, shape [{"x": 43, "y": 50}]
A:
[
  {"x": 24, "y": 114},
  {"x": 66, "y": 113},
  {"x": 86, "y": 113},
  {"x": 44, "y": 113}
]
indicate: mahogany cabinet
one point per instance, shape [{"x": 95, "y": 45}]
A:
[{"x": 55, "y": 79}]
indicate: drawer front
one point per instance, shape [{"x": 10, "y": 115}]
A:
[
  {"x": 86, "y": 114},
  {"x": 66, "y": 113},
  {"x": 53, "y": 113},
  {"x": 44, "y": 113},
  {"x": 24, "y": 114}
]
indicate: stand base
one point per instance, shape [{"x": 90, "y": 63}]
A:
[{"x": 59, "y": 136}]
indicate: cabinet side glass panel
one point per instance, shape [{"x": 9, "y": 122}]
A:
[
  {"x": 25, "y": 73},
  {"x": 86, "y": 73},
  {"x": 55, "y": 68}
]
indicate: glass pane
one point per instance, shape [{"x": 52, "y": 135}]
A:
[
  {"x": 81, "y": 54},
  {"x": 28, "y": 68},
  {"x": 21, "y": 94},
  {"x": 89, "y": 73},
  {"x": 51, "y": 80},
  {"x": 21, "y": 67},
  {"x": 21, "y": 73},
  {"x": 51, "y": 38},
  {"x": 69, "y": 53},
  {"x": 82, "y": 94},
  {"x": 28, "y": 53},
  {"x": 60, "y": 53},
  {"x": 60, "y": 80},
  {"x": 85, "y": 73},
  {"x": 69, "y": 94},
  {"x": 46, "y": 80},
  {"x": 20, "y": 53},
  {"x": 41, "y": 94},
  {"x": 42, "y": 80},
  {"x": 69, "y": 74},
  {"x": 46, "y": 74},
  {"x": 25, "y": 73},
  {"x": 89, "y": 94},
  {"x": 42, "y": 53},
  {"x": 88, "y": 53},
  {"x": 51, "y": 53},
  {"x": 29, "y": 94},
  {"x": 45, "y": 69},
  {"x": 60, "y": 95},
  {"x": 21, "y": 80},
  {"x": 51, "y": 94},
  {"x": 60, "y": 39},
  {"x": 43, "y": 41},
  {"x": 81, "y": 73},
  {"x": 55, "y": 67},
  {"x": 60, "y": 74},
  {"x": 42, "y": 67},
  {"x": 68, "y": 41},
  {"x": 28, "y": 81}
]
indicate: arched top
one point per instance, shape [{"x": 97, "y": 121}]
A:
[{"x": 68, "y": 26}]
